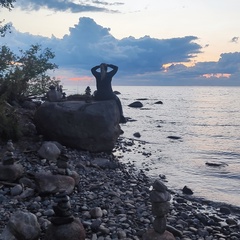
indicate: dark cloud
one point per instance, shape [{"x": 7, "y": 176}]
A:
[
  {"x": 66, "y": 5},
  {"x": 234, "y": 39},
  {"x": 139, "y": 59}
]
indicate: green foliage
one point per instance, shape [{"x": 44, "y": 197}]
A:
[
  {"x": 9, "y": 127},
  {"x": 9, "y": 5},
  {"x": 23, "y": 77}
]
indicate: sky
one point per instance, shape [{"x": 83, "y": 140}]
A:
[{"x": 153, "y": 42}]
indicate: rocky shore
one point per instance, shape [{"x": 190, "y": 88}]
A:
[{"x": 112, "y": 199}]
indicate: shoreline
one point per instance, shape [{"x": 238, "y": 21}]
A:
[
  {"x": 137, "y": 149},
  {"x": 122, "y": 193}
]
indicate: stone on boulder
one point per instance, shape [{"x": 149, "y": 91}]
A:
[{"x": 88, "y": 126}]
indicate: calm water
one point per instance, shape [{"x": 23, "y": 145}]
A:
[{"x": 207, "y": 120}]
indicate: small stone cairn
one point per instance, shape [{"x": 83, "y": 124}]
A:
[
  {"x": 64, "y": 226},
  {"x": 9, "y": 170},
  {"x": 62, "y": 210},
  {"x": 159, "y": 197},
  {"x": 9, "y": 157},
  {"x": 62, "y": 162}
]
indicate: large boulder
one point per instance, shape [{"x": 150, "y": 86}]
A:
[{"x": 88, "y": 126}]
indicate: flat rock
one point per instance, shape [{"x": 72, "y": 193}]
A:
[{"x": 47, "y": 183}]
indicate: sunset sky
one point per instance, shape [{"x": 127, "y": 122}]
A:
[{"x": 154, "y": 42}]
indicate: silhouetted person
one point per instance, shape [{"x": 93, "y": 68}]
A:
[
  {"x": 104, "y": 85},
  {"x": 53, "y": 95},
  {"x": 88, "y": 91}
]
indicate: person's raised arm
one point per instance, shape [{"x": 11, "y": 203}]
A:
[
  {"x": 94, "y": 70},
  {"x": 114, "y": 69}
]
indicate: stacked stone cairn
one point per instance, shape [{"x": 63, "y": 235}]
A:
[
  {"x": 9, "y": 158},
  {"x": 64, "y": 226},
  {"x": 159, "y": 197},
  {"x": 62, "y": 163},
  {"x": 9, "y": 170}
]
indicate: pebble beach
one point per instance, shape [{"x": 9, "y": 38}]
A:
[{"x": 120, "y": 193}]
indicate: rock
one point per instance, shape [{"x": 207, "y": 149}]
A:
[
  {"x": 174, "y": 137},
  {"x": 156, "y": 196},
  {"x": 47, "y": 183},
  {"x": 216, "y": 164},
  {"x": 160, "y": 224},
  {"x": 158, "y": 102},
  {"x": 151, "y": 234},
  {"x": 160, "y": 209},
  {"x": 225, "y": 210},
  {"x": 187, "y": 190},
  {"x": 136, "y": 104},
  {"x": 10, "y": 146},
  {"x": 75, "y": 176},
  {"x": 96, "y": 212},
  {"x": 71, "y": 231},
  {"x": 174, "y": 231},
  {"x": 10, "y": 173},
  {"x": 26, "y": 182},
  {"x": 16, "y": 190},
  {"x": 104, "y": 163},
  {"x": 142, "y": 99},
  {"x": 95, "y": 225},
  {"x": 27, "y": 193},
  {"x": 117, "y": 92},
  {"x": 22, "y": 225},
  {"x": 49, "y": 151},
  {"x": 159, "y": 186},
  {"x": 88, "y": 126},
  {"x": 137, "y": 134}
]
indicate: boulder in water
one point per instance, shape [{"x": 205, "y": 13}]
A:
[{"x": 136, "y": 104}]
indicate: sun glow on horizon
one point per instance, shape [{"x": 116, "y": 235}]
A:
[
  {"x": 83, "y": 78},
  {"x": 217, "y": 75}
]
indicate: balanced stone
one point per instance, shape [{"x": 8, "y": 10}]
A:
[
  {"x": 159, "y": 186},
  {"x": 63, "y": 207},
  {"x": 160, "y": 224},
  {"x": 160, "y": 209},
  {"x": 156, "y": 196},
  {"x": 8, "y": 158},
  {"x": 10, "y": 146},
  {"x": 62, "y": 162}
]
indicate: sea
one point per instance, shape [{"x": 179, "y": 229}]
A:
[{"x": 192, "y": 138}]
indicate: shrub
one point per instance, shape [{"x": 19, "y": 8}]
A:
[{"x": 9, "y": 126}]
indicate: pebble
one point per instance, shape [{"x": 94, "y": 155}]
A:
[{"x": 114, "y": 203}]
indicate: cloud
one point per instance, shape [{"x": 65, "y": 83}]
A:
[
  {"x": 142, "y": 60},
  {"x": 89, "y": 43},
  {"x": 67, "y": 5},
  {"x": 234, "y": 39}
]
